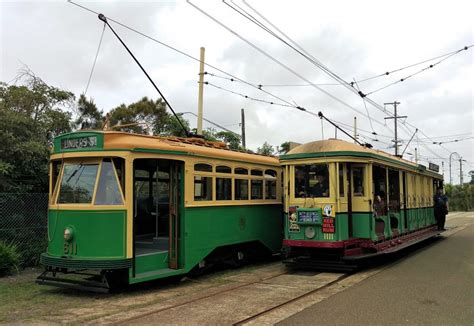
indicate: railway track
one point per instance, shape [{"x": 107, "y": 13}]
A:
[
  {"x": 290, "y": 301},
  {"x": 220, "y": 295}
]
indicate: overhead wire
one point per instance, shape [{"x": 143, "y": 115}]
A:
[
  {"x": 178, "y": 51},
  {"x": 418, "y": 72},
  {"x": 412, "y": 65},
  {"x": 325, "y": 69},
  {"x": 273, "y": 58}
]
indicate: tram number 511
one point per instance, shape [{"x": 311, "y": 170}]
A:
[{"x": 70, "y": 248}]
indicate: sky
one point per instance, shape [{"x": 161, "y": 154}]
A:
[{"x": 354, "y": 39}]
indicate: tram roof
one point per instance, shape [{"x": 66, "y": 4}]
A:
[
  {"x": 337, "y": 147},
  {"x": 116, "y": 140}
]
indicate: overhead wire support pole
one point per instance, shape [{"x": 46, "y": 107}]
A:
[
  {"x": 242, "y": 111},
  {"x": 104, "y": 19},
  {"x": 395, "y": 117},
  {"x": 201, "y": 91}
]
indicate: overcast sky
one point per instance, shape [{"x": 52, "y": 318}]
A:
[{"x": 354, "y": 39}]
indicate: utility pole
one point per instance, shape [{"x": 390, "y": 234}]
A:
[
  {"x": 201, "y": 91},
  {"x": 450, "y": 175},
  {"x": 243, "y": 127},
  {"x": 460, "y": 171},
  {"x": 395, "y": 117}
]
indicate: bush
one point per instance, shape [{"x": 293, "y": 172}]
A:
[
  {"x": 461, "y": 198},
  {"x": 9, "y": 258}
]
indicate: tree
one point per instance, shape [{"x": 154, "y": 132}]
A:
[
  {"x": 266, "y": 149},
  {"x": 284, "y": 148},
  {"x": 32, "y": 113},
  {"x": 231, "y": 139},
  {"x": 89, "y": 116}
]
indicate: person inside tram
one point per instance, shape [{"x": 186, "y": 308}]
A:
[
  {"x": 379, "y": 204},
  {"x": 300, "y": 183},
  {"x": 321, "y": 188}
]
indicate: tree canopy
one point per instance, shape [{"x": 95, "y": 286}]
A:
[{"x": 32, "y": 113}]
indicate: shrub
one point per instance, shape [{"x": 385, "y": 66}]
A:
[{"x": 9, "y": 258}]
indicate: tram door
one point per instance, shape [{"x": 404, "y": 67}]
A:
[
  {"x": 156, "y": 212},
  {"x": 174, "y": 216}
]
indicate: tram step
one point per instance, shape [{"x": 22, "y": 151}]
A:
[{"x": 160, "y": 273}]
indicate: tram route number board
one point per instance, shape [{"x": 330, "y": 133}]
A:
[{"x": 309, "y": 216}]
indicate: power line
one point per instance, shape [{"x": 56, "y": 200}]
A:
[
  {"x": 319, "y": 65},
  {"x": 249, "y": 97},
  {"x": 178, "y": 51},
  {"x": 414, "y": 64},
  {"x": 418, "y": 72},
  {"x": 276, "y": 60}
]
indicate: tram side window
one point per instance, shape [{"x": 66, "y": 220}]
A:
[
  {"x": 341, "y": 180},
  {"x": 311, "y": 180},
  {"x": 108, "y": 191},
  {"x": 223, "y": 189},
  {"x": 202, "y": 188},
  {"x": 241, "y": 189},
  {"x": 394, "y": 190},
  {"x": 77, "y": 184},
  {"x": 256, "y": 189},
  {"x": 270, "y": 184},
  {"x": 203, "y": 167},
  {"x": 358, "y": 180}
]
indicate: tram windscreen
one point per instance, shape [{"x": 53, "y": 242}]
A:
[
  {"x": 77, "y": 184},
  {"x": 311, "y": 181}
]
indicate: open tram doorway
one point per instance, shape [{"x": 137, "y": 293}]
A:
[{"x": 156, "y": 201}]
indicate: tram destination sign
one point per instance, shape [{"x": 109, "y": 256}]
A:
[
  {"x": 309, "y": 216},
  {"x": 79, "y": 143},
  {"x": 433, "y": 167}
]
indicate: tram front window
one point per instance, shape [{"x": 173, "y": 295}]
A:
[
  {"x": 77, "y": 184},
  {"x": 311, "y": 181}
]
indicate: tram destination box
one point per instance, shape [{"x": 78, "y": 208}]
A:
[{"x": 309, "y": 216}]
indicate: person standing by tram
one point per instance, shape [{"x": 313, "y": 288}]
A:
[{"x": 441, "y": 208}]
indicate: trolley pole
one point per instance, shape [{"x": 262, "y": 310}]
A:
[
  {"x": 395, "y": 117},
  {"x": 201, "y": 91},
  {"x": 243, "y": 127}
]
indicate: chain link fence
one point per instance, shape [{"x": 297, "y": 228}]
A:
[{"x": 23, "y": 223}]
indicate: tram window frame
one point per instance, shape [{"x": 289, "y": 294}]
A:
[
  {"x": 256, "y": 189},
  {"x": 223, "y": 188},
  {"x": 119, "y": 165},
  {"x": 92, "y": 191},
  {"x": 223, "y": 169},
  {"x": 205, "y": 183},
  {"x": 203, "y": 167},
  {"x": 241, "y": 171},
  {"x": 308, "y": 188},
  {"x": 238, "y": 183},
  {"x": 362, "y": 184},
  {"x": 341, "y": 183},
  {"x": 109, "y": 181},
  {"x": 56, "y": 170},
  {"x": 270, "y": 177}
]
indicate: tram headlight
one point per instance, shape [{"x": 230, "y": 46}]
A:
[
  {"x": 68, "y": 234},
  {"x": 309, "y": 232}
]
